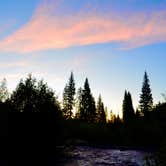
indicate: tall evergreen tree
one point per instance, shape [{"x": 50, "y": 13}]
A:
[
  {"x": 127, "y": 107},
  {"x": 101, "y": 115},
  {"x": 124, "y": 107},
  {"x": 68, "y": 97},
  {"x": 130, "y": 106},
  {"x": 87, "y": 104},
  {"x": 146, "y": 99}
]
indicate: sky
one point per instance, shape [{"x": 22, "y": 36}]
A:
[{"x": 112, "y": 42}]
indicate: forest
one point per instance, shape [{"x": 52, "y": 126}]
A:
[{"x": 33, "y": 122}]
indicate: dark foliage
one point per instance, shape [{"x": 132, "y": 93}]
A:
[
  {"x": 146, "y": 100},
  {"x": 31, "y": 119},
  {"x": 4, "y": 108},
  {"x": 33, "y": 96},
  {"x": 86, "y": 107},
  {"x": 127, "y": 107},
  {"x": 68, "y": 98},
  {"x": 100, "y": 111}
]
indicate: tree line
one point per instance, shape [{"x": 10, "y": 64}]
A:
[{"x": 31, "y": 95}]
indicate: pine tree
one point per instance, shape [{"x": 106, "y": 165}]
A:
[
  {"x": 124, "y": 107},
  {"x": 68, "y": 97},
  {"x": 130, "y": 106},
  {"x": 128, "y": 110},
  {"x": 101, "y": 115},
  {"x": 146, "y": 99},
  {"x": 87, "y": 104}
]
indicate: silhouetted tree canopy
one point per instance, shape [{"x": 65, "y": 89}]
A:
[
  {"x": 68, "y": 97},
  {"x": 146, "y": 100},
  {"x": 127, "y": 108},
  {"x": 33, "y": 96},
  {"x": 100, "y": 111},
  {"x": 87, "y": 108},
  {"x": 160, "y": 113}
]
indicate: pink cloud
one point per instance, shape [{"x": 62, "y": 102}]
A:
[{"x": 49, "y": 30}]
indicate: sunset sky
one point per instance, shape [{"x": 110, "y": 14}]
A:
[{"x": 112, "y": 42}]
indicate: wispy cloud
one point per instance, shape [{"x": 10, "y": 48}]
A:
[{"x": 47, "y": 29}]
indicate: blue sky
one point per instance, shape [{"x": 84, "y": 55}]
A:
[{"x": 112, "y": 43}]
